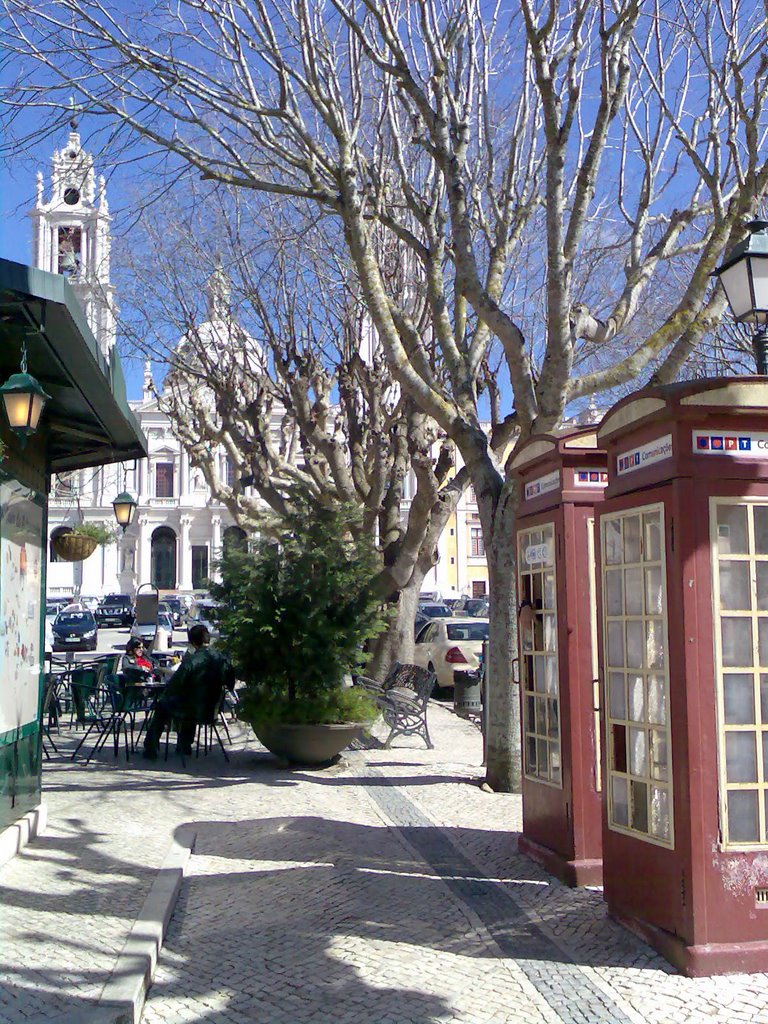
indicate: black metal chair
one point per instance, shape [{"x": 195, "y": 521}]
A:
[{"x": 117, "y": 707}]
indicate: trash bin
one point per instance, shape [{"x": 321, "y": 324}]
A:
[{"x": 468, "y": 693}]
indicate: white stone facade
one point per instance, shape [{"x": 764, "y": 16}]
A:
[{"x": 178, "y": 530}]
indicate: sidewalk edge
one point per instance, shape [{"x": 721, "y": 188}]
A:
[
  {"x": 126, "y": 988},
  {"x": 15, "y": 837}
]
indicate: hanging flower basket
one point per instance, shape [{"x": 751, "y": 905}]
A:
[{"x": 74, "y": 547}]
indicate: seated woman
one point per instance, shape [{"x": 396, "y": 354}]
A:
[{"x": 136, "y": 666}]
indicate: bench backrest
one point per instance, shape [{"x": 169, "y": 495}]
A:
[{"x": 412, "y": 677}]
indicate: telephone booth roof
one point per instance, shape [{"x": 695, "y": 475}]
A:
[
  {"x": 704, "y": 428},
  {"x": 87, "y": 421},
  {"x": 567, "y": 466},
  {"x": 684, "y": 400}
]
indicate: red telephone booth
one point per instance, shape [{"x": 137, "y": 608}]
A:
[
  {"x": 683, "y": 545},
  {"x": 561, "y": 479}
]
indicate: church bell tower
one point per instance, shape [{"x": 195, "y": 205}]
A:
[{"x": 71, "y": 235}]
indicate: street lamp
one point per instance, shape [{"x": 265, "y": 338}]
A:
[
  {"x": 744, "y": 277},
  {"x": 125, "y": 509},
  {"x": 24, "y": 399}
]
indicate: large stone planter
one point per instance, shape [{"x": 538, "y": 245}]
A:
[
  {"x": 74, "y": 547},
  {"x": 307, "y": 744}
]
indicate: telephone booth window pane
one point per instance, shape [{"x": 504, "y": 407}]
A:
[
  {"x": 620, "y": 802},
  {"x": 654, "y": 644},
  {"x": 652, "y": 544},
  {"x": 740, "y": 757},
  {"x": 761, "y": 572},
  {"x": 639, "y": 795},
  {"x": 658, "y": 755},
  {"x": 638, "y": 752},
  {"x": 660, "y": 812},
  {"x": 743, "y": 818},
  {"x": 761, "y": 529},
  {"x": 653, "y": 591},
  {"x": 612, "y": 542},
  {"x": 740, "y": 578},
  {"x": 633, "y": 586},
  {"x": 636, "y": 685},
  {"x": 614, "y": 594},
  {"x": 635, "y": 644},
  {"x": 657, "y": 699},
  {"x": 637, "y": 701},
  {"x": 617, "y": 699},
  {"x": 732, "y": 536},
  {"x": 616, "y": 644},
  {"x": 737, "y": 642},
  {"x": 631, "y": 550},
  {"x": 739, "y": 698},
  {"x": 549, "y": 591},
  {"x": 541, "y": 722},
  {"x": 734, "y": 586}
]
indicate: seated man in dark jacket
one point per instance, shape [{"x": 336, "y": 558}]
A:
[{"x": 192, "y": 693}]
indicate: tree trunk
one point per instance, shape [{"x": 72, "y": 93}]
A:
[
  {"x": 396, "y": 644},
  {"x": 503, "y": 735}
]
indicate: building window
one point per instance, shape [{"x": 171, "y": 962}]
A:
[
  {"x": 163, "y": 564},
  {"x": 478, "y": 588},
  {"x": 538, "y": 640},
  {"x": 740, "y": 577},
  {"x": 163, "y": 479},
  {"x": 65, "y": 486},
  {"x": 471, "y": 496},
  {"x": 229, "y": 471},
  {"x": 69, "y": 256},
  {"x": 476, "y": 544},
  {"x": 637, "y": 674},
  {"x": 199, "y": 566}
]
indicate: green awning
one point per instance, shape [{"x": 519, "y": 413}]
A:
[{"x": 87, "y": 420}]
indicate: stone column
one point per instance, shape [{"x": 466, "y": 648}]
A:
[
  {"x": 144, "y": 546},
  {"x": 185, "y": 553},
  {"x": 215, "y": 552}
]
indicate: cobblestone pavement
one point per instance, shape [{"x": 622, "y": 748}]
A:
[{"x": 386, "y": 889}]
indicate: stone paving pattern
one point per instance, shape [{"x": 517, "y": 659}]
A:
[{"x": 385, "y": 889}]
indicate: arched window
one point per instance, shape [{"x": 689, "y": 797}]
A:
[
  {"x": 234, "y": 539},
  {"x": 163, "y": 571}
]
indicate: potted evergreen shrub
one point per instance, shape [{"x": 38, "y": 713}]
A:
[{"x": 294, "y": 617}]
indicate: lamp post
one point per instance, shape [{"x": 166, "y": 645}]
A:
[
  {"x": 24, "y": 400},
  {"x": 744, "y": 277},
  {"x": 125, "y": 509}
]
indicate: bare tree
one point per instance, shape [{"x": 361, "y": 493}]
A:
[
  {"x": 608, "y": 139},
  {"x": 281, "y": 368}
]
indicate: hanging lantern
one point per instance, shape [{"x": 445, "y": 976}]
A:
[
  {"x": 744, "y": 277},
  {"x": 24, "y": 400},
  {"x": 125, "y": 509}
]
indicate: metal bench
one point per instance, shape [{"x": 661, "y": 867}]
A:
[{"x": 403, "y": 699}]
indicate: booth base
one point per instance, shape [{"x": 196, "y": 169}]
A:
[
  {"x": 571, "y": 872},
  {"x": 701, "y": 961},
  {"x": 14, "y": 838}
]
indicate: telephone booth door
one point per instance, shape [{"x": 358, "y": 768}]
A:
[
  {"x": 561, "y": 477},
  {"x": 683, "y": 597}
]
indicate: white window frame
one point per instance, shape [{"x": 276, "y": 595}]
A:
[
  {"x": 533, "y": 692},
  {"x": 647, "y": 837},
  {"x": 761, "y": 785}
]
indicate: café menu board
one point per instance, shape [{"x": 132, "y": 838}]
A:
[{"x": 21, "y": 552}]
